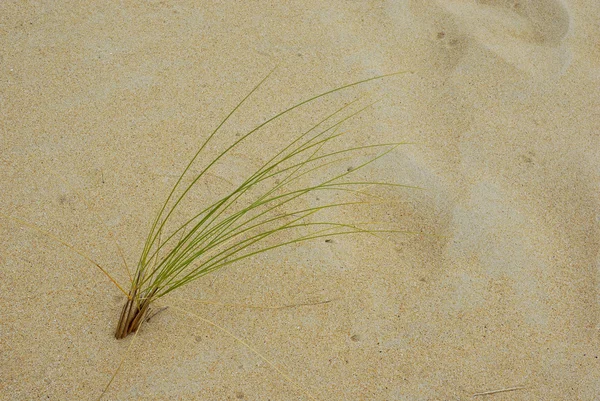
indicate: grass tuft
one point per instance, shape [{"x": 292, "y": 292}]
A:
[{"x": 269, "y": 209}]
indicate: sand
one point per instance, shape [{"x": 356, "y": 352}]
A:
[{"x": 501, "y": 101}]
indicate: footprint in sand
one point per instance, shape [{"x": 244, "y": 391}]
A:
[{"x": 527, "y": 34}]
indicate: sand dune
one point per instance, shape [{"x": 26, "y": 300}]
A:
[{"x": 501, "y": 104}]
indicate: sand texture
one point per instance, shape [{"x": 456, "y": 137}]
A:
[{"x": 501, "y": 102}]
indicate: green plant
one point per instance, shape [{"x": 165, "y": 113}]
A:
[{"x": 266, "y": 211}]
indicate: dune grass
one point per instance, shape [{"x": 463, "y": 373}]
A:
[{"x": 268, "y": 210}]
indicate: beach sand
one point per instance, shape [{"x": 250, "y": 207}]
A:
[{"x": 501, "y": 101}]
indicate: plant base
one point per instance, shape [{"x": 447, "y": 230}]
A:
[{"x": 133, "y": 314}]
